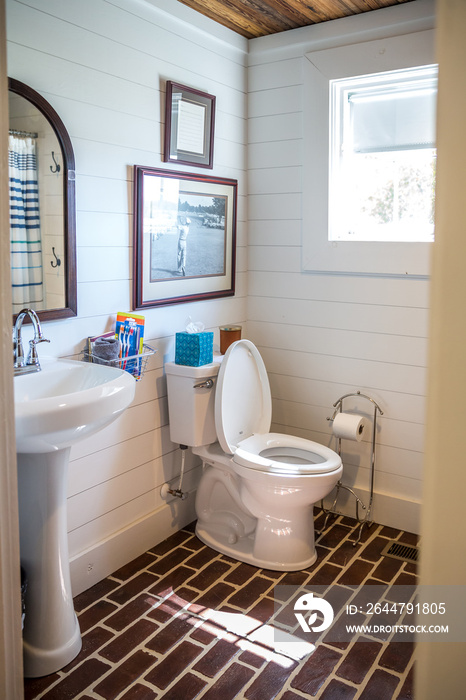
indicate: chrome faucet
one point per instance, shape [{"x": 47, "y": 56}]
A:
[{"x": 32, "y": 361}]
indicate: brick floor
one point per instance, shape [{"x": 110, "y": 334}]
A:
[{"x": 183, "y": 622}]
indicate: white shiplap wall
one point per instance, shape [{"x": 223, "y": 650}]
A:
[
  {"x": 323, "y": 336},
  {"x": 102, "y": 64}
]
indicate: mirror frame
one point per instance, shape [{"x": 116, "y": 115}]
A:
[{"x": 69, "y": 200}]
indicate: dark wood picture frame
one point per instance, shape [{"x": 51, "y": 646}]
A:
[
  {"x": 184, "y": 238},
  {"x": 189, "y": 126}
]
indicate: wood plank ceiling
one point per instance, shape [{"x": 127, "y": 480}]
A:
[{"x": 253, "y": 18}]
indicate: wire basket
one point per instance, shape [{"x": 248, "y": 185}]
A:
[{"x": 134, "y": 364}]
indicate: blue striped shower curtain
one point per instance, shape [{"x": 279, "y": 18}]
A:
[{"x": 25, "y": 238}]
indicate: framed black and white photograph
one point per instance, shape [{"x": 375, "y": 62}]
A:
[
  {"x": 189, "y": 126},
  {"x": 184, "y": 237}
]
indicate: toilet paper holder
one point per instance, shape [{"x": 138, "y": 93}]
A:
[{"x": 366, "y": 520}]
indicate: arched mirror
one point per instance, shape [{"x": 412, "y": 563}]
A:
[{"x": 42, "y": 207}]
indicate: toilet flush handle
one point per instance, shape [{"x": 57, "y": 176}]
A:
[{"x": 207, "y": 384}]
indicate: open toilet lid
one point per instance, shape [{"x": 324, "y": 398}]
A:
[{"x": 243, "y": 404}]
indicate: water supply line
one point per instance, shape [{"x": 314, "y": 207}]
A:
[{"x": 177, "y": 493}]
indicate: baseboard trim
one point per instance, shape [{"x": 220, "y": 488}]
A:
[
  {"x": 99, "y": 561},
  {"x": 102, "y": 559},
  {"x": 387, "y": 510}
]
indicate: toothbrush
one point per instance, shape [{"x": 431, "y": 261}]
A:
[
  {"x": 125, "y": 342},
  {"x": 138, "y": 350},
  {"x": 129, "y": 336},
  {"x": 120, "y": 338}
]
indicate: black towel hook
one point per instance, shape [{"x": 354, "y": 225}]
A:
[
  {"x": 57, "y": 262},
  {"x": 57, "y": 165}
]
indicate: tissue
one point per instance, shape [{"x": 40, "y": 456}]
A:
[
  {"x": 194, "y": 346},
  {"x": 194, "y": 326}
]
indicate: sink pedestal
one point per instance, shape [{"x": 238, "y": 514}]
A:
[
  {"x": 51, "y": 636},
  {"x": 64, "y": 403}
]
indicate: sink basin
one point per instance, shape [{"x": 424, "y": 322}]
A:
[
  {"x": 54, "y": 408},
  {"x": 67, "y": 401}
]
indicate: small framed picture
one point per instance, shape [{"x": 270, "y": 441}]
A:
[
  {"x": 189, "y": 126},
  {"x": 184, "y": 237}
]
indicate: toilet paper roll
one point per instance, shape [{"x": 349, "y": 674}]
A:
[{"x": 348, "y": 426}]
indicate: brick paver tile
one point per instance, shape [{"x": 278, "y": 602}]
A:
[
  {"x": 78, "y": 680},
  {"x": 316, "y": 670},
  {"x": 125, "y": 674},
  {"x": 173, "y": 664},
  {"x": 230, "y": 683}
]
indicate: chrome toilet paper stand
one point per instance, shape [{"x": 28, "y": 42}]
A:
[{"x": 366, "y": 520}]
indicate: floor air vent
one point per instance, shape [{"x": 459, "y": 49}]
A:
[{"x": 397, "y": 550}]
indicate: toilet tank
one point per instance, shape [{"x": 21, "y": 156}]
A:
[{"x": 191, "y": 403}]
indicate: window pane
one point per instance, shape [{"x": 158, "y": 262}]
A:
[{"x": 388, "y": 196}]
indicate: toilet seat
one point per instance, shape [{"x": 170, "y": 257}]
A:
[
  {"x": 286, "y": 454},
  {"x": 243, "y": 414}
]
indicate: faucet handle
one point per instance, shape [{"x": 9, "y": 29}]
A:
[
  {"x": 33, "y": 358},
  {"x": 40, "y": 339}
]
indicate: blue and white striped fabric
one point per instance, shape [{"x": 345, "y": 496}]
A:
[{"x": 25, "y": 238}]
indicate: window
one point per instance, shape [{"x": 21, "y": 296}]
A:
[
  {"x": 384, "y": 61},
  {"x": 383, "y": 156}
]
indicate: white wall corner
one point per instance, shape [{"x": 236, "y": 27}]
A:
[
  {"x": 195, "y": 24},
  {"x": 389, "y": 21},
  {"x": 102, "y": 559},
  {"x": 387, "y": 509}
]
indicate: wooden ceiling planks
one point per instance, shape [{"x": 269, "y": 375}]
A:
[{"x": 254, "y": 18}]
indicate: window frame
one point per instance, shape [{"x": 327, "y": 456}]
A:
[
  {"x": 422, "y": 79},
  {"x": 320, "y": 255}
]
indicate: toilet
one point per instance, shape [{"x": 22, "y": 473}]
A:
[{"x": 255, "y": 498}]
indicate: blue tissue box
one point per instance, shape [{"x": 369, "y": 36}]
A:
[{"x": 194, "y": 349}]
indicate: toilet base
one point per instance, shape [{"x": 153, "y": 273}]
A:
[{"x": 242, "y": 550}]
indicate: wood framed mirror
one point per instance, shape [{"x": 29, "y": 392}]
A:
[{"x": 43, "y": 237}]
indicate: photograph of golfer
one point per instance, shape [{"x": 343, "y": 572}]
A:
[{"x": 190, "y": 242}]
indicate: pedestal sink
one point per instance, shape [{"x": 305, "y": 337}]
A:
[{"x": 54, "y": 408}]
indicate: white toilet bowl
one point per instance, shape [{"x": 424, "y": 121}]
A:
[{"x": 256, "y": 495}]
